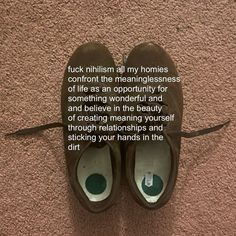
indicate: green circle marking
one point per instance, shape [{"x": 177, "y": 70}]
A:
[
  {"x": 156, "y": 187},
  {"x": 96, "y": 184}
]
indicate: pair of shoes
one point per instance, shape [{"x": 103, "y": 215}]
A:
[{"x": 151, "y": 166}]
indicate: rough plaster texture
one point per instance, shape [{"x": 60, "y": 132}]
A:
[{"x": 37, "y": 39}]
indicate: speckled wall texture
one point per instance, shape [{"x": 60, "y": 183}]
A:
[{"x": 37, "y": 39}]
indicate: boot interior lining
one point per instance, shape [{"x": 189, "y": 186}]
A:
[
  {"x": 152, "y": 168},
  {"x": 94, "y": 173}
]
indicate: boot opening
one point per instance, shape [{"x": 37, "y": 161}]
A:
[
  {"x": 94, "y": 173},
  {"x": 152, "y": 168}
]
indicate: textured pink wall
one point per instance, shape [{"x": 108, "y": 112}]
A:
[{"x": 38, "y": 37}]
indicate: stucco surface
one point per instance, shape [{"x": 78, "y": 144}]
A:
[{"x": 37, "y": 39}]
